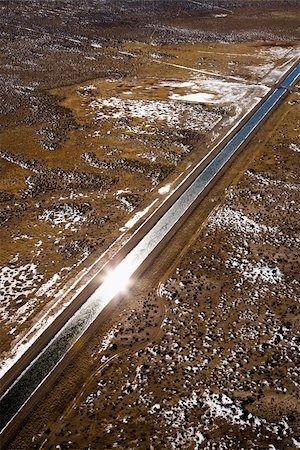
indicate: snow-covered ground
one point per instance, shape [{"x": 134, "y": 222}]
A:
[
  {"x": 234, "y": 219},
  {"x": 17, "y": 283},
  {"x": 295, "y": 147},
  {"x": 68, "y": 215},
  {"x": 137, "y": 216},
  {"x": 217, "y": 91},
  {"x": 174, "y": 114}
]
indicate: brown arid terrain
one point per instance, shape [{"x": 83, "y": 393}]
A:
[
  {"x": 83, "y": 162},
  {"x": 210, "y": 358},
  {"x": 105, "y": 108}
]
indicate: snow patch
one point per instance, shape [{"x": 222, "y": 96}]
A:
[
  {"x": 227, "y": 217},
  {"x": 68, "y": 215},
  {"x": 256, "y": 272},
  {"x": 107, "y": 339},
  {"x": 221, "y": 92},
  {"x": 164, "y": 189},
  {"x": 18, "y": 281},
  {"x": 95, "y": 45},
  {"x": 131, "y": 222},
  {"x": 295, "y": 148},
  {"x": 175, "y": 114},
  {"x": 199, "y": 97}
]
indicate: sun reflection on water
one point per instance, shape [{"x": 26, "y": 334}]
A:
[{"x": 117, "y": 281}]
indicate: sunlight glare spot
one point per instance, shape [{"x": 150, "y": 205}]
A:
[{"x": 116, "y": 281}]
